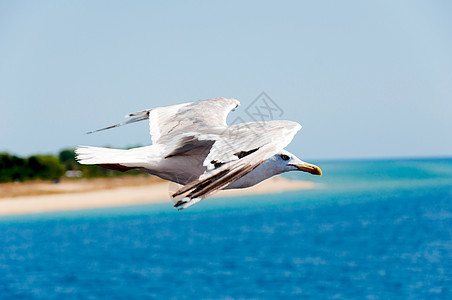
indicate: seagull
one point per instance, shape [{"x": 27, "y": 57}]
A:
[{"x": 192, "y": 145}]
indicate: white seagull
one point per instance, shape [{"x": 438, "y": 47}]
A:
[{"x": 193, "y": 146}]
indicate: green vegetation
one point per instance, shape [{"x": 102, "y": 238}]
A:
[{"x": 49, "y": 167}]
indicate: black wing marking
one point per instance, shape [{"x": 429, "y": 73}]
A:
[
  {"x": 242, "y": 154},
  {"x": 217, "y": 163}
]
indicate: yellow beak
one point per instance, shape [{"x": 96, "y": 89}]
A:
[{"x": 305, "y": 167}]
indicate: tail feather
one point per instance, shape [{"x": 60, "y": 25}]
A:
[{"x": 117, "y": 159}]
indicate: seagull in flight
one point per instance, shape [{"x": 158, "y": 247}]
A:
[{"x": 192, "y": 145}]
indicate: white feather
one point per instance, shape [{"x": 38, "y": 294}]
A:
[{"x": 137, "y": 157}]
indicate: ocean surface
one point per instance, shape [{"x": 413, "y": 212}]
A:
[{"x": 377, "y": 229}]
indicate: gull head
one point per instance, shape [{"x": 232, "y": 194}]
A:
[{"x": 284, "y": 161}]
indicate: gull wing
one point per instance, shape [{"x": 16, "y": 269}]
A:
[
  {"x": 191, "y": 116},
  {"x": 236, "y": 152}
]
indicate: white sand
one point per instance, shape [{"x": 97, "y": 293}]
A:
[{"x": 128, "y": 195}]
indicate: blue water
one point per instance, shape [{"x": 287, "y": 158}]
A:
[{"x": 371, "y": 230}]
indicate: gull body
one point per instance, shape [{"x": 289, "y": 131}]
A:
[{"x": 193, "y": 146}]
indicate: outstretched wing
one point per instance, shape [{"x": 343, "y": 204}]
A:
[
  {"x": 191, "y": 116},
  {"x": 236, "y": 152}
]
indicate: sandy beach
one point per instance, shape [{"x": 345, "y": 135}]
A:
[{"x": 39, "y": 197}]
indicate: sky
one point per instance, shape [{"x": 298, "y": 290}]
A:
[{"x": 365, "y": 79}]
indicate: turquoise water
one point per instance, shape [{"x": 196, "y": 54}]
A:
[{"x": 371, "y": 230}]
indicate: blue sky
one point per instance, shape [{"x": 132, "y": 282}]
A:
[{"x": 365, "y": 79}]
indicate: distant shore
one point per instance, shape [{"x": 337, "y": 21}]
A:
[{"x": 40, "y": 197}]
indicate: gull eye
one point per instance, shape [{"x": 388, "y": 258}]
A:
[{"x": 284, "y": 157}]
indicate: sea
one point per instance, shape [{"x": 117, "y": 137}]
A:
[{"x": 370, "y": 229}]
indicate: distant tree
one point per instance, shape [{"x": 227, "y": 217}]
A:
[
  {"x": 45, "y": 167},
  {"x": 67, "y": 158},
  {"x": 12, "y": 168}
]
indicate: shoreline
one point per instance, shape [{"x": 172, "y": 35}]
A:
[{"x": 91, "y": 194}]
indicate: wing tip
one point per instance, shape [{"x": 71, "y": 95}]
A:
[
  {"x": 139, "y": 116},
  {"x": 186, "y": 202}
]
